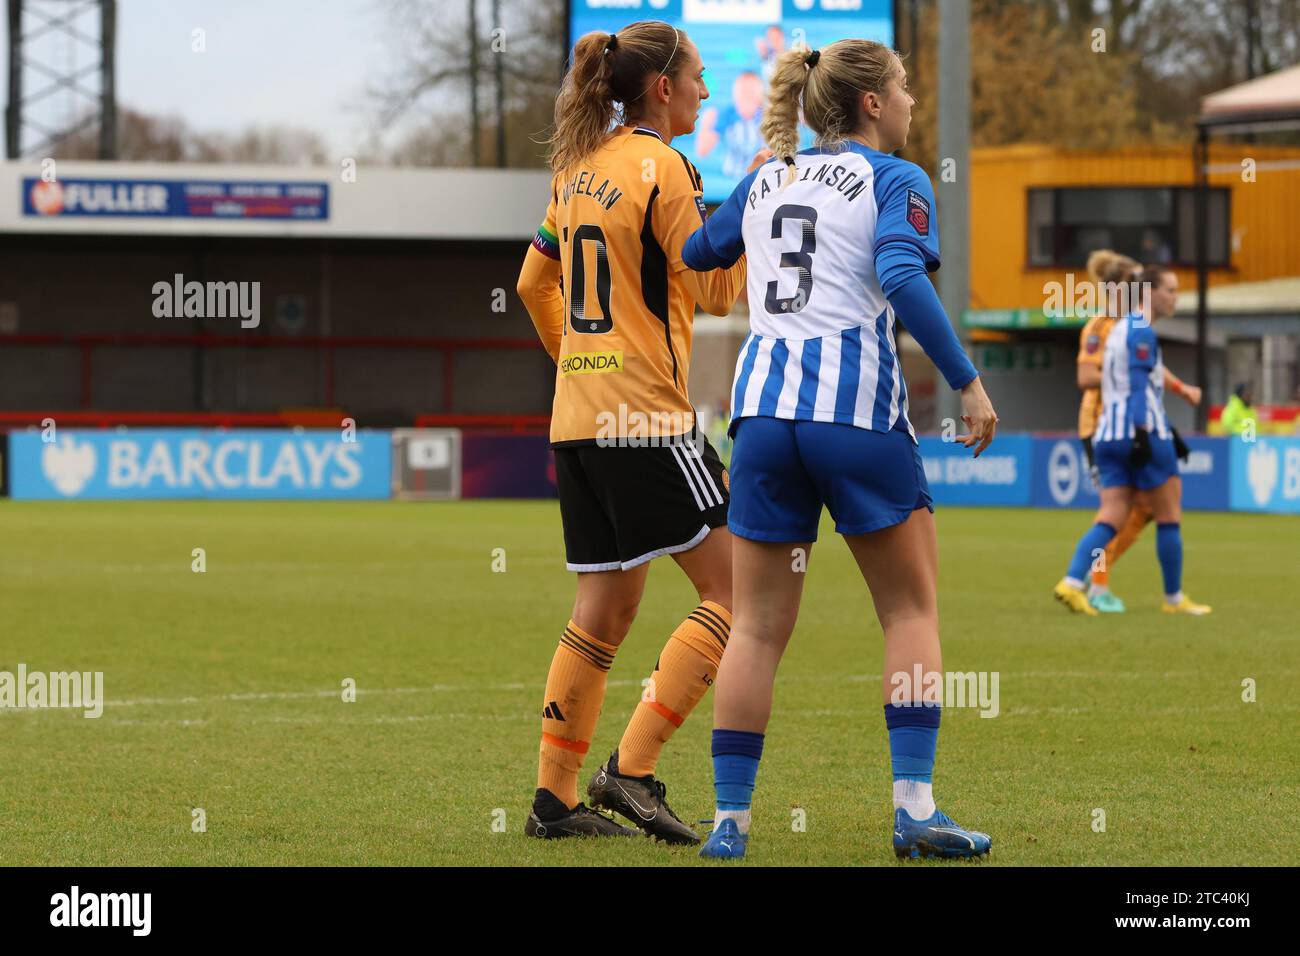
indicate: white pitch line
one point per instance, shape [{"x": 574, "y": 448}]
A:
[
  {"x": 866, "y": 712},
  {"x": 408, "y": 719},
  {"x": 309, "y": 694},
  {"x": 258, "y": 696},
  {"x": 517, "y": 686}
]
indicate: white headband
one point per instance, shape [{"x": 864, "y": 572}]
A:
[{"x": 677, "y": 38}]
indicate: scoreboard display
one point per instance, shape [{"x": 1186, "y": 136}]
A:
[{"x": 739, "y": 41}]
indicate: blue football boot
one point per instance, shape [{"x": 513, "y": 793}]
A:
[
  {"x": 935, "y": 836},
  {"x": 726, "y": 842},
  {"x": 1107, "y": 603}
]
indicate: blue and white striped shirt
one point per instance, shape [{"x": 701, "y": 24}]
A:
[
  {"x": 850, "y": 377},
  {"x": 1132, "y": 382},
  {"x": 829, "y": 258}
]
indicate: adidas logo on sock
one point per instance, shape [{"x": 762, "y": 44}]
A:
[{"x": 553, "y": 711}]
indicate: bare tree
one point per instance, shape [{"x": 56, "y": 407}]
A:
[
  {"x": 430, "y": 84},
  {"x": 1189, "y": 48},
  {"x": 1041, "y": 74},
  {"x": 262, "y": 144},
  {"x": 168, "y": 139}
]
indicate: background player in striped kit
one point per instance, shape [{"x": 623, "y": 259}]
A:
[
  {"x": 1134, "y": 449},
  {"x": 1117, "y": 274},
  {"x": 613, "y": 304},
  {"x": 838, "y": 238}
]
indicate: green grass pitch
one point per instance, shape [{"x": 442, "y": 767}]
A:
[{"x": 223, "y": 692}]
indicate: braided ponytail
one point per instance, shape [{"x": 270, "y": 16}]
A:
[{"x": 780, "y": 124}]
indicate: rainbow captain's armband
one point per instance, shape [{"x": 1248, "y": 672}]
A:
[{"x": 547, "y": 243}]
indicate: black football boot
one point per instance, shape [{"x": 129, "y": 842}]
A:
[
  {"x": 641, "y": 800},
  {"x": 550, "y": 819}
]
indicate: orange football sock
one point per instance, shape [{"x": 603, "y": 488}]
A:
[
  {"x": 685, "y": 671},
  {"x": 1138, "y": 518},
  {"x": 575, "y": 690}
]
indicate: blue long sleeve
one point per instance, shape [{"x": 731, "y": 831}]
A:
[
  {"x": 699, "y": 254},
  {"x": 1142, "y": 352},
  {"x": 718, "y": 243},
  {"x": 900, "y": 267}
]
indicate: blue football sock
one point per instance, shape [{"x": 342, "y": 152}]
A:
[
  {"x": 735, "y": 765},
  {"x": 1094, "y": 539},
  {"x": 1169, "y": 548},
  {"x": 913, "y": 738}
]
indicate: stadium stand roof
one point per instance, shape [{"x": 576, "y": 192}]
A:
[
  {"x": 1271, "y": 307},
  {"x": 111, "y": 198},
  {"x": 1270, "y": 102},
  {"x": 1280, "y": 296},
  {"x": 1270, "y": 97}
]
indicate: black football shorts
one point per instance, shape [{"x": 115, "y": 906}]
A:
[{"x": 622, "y": 506}]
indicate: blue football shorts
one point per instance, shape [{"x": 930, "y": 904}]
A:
[
  {"x": 1115, "y": 471},
  {"x": 783, "y": 471}
]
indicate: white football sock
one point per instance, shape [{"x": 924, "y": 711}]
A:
[
  {"x": 740, "y": 816},
  {"x": 915, "y": 797},
  {"x": 1175, "y": 598},
  {"x": 1095, "y": 589}
]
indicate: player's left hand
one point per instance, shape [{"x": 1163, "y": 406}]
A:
[
  {"x": 1181, "y": 451},
  {"x": 978, "y": 414},
  {"x": 762, "y": 156},
  {"x": 1192, "y": 394}
]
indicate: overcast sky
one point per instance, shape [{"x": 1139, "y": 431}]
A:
[{"x": 299, "y": 63}]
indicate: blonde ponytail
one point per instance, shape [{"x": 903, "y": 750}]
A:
[
  {"x": 584, "y": 110},
  {"x": 1114, "y": 275},
  {"x": 780, "y": 124},
  {"x": 609, "y": 74},
  {"x": 1106, "y": 265},
  {"x": 827, "y": 86}
]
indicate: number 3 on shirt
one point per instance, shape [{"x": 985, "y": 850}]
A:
[
  {"x": 801, "y": 260},
  {"x": 578, "y": 281}
]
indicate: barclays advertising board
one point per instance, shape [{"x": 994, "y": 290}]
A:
[
  {"x": 1265, "y": 474},
  {"x": 209, "y": 463}
]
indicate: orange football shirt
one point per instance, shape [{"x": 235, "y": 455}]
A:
[
  {"x": 617, "y": 222},
  {"x": 1092, "y": 345}
]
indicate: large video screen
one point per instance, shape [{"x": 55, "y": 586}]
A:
[{"x": 739, "y": 41}]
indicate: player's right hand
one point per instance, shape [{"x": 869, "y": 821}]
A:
[
  {"x": 978, "y": 414},
  {"x": 1140, "y": 453},
  {"x": 762, "y": 156}
]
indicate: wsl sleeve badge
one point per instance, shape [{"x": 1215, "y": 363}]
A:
[{"x": 918, "y": 212}]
